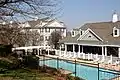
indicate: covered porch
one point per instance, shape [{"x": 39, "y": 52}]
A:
[{"x": 101, "y": 50}]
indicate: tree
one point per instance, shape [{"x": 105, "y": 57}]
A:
[
  {"x": 32, "y": 38},
  {"x": 17, "y": 10},
  {"x": 25, "y": 9},
  {"x": 54, "y": 38},
  {"x": 10, "y": 34}
]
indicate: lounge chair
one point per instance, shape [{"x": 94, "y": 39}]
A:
[
  {"x": 116, "y": 62},
  {"x": 96, "y": 58},
  {"x": 88, "y": 56},
  {"x": 103, "y": 59},
  {"x": 110, "y": 61}
]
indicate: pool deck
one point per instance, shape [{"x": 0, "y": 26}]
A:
[
  {"x": 86, "y": 62},
  {"x": 116, "y": 78},
  {"x": 63, "y": 71}
]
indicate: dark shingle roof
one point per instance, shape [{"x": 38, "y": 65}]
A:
[{"x": 103, "y": 29}]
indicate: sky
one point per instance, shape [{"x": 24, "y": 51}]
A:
[{"x": 75, "y": 13}]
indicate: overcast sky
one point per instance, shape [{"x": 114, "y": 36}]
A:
[{"x": 77, "y": 12}]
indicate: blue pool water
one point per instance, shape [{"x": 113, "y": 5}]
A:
[{"x": 85, "y": 72}]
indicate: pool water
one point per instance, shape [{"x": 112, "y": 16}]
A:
[{"x": 85, "y": 72}]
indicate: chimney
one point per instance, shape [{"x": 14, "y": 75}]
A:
[{"x": 114, "y": 17}]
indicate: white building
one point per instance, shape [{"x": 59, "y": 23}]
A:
[
  {"x": 45, "y": 28},
  {"x": 101, "y": 38}
]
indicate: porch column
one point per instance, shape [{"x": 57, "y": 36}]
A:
[
  {"x": 79, "y": 48},
  {"x": 26, "y": 52},
  {"x": 82, "y": 48},
  {"x": 60, "y": 51},
  {"x": 102, "y": 50},
  {"x": 38, "y": 51},
  {"x": 65, "y": 48},
  {"x": 48, "y": 51},
  {"x": 105, "y": 50},
  {"x": 119, "y": 52},
  {"x": 73, "y": 48}
]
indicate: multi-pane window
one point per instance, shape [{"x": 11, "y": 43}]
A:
[
  {"x": 47, "y": 38},
  {"x": 47, "y": 30},
  {"x": 81, "y": 32},
  {"x": 62, "y": 30},
  {"x": 41, "y": 38},
  {"x": 72, "y": 32},
  {"x": 41, "y": 30},
  {"x": 115, "y": 32}
]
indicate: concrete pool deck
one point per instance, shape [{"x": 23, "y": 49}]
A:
[{"x": 85, "y": 62}]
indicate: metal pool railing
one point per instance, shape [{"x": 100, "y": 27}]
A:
[{"x": 78, "y": 68}]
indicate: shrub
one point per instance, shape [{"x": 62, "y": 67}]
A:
[
  {"x": 5, "y": 50},
  {"x": 30, "y": 61}
]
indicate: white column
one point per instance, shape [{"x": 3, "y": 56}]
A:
[
  {"x": 105, "y": 51},
  {"x": 48, "y": 51},
  {"x": 79, "y": 48},
  {"x": 82, "y": 48},
  {"x": 26, "y": 52},
  {"x": 60, "y": 51},
  {"x": 44, "y": 37},
  {"x": 73, "y": 48},
  {"x": 65, "y": 48},
  {"x": 102, "y": 50},
  {"x": 38, "y": 51},
  {"x": 119, "y": 52}
]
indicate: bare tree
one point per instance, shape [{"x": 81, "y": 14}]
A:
[
  {"x": 17, "y": 10},
  {"x": 54, "y": 39},
  {"x": 10, "y": 34},
  {"x": 25, "y": 9},
  {"x": 32, "y": 38}
]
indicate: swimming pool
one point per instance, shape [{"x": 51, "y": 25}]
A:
[{"x": 85, "y": 72}]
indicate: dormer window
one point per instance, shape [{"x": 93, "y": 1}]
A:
[
  {"x": 115, "y": 32},
  {"x": 73, "y": 33},
  {"x": 81, "y": 32}
]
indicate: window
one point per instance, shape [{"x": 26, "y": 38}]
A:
[
  {"x": 81, "y": 32},
  {"x": 72, "y": 32},
  {"x": 41, "y": 38},
  {"x": 48, "y": 29},
  {"x": 115, "y": 32},
  {"x": 89, "y": 36},
  {"x": 41, "y": 30},
  {"x": 47, "y": 38},
  {"x": 62, "y": 30}
]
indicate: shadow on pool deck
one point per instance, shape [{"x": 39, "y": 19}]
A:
[{"x": 63, "y": 71}]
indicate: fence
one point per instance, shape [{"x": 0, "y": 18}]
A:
[{"x": 85, "y": 70}]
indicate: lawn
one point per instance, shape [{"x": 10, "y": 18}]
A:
[{"x": 22, "y": 74}]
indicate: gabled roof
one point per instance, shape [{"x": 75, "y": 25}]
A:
[
  {"x": 92, "y": 32},
  {"x": 39, "y": 23},
  {"x": 100, "y": 25},
  {"x": 104, "y": 30}
]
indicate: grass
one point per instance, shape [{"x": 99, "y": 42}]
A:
[
  {"x": 22, "y": 74},
  {"x": 25, "y": 73}
]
